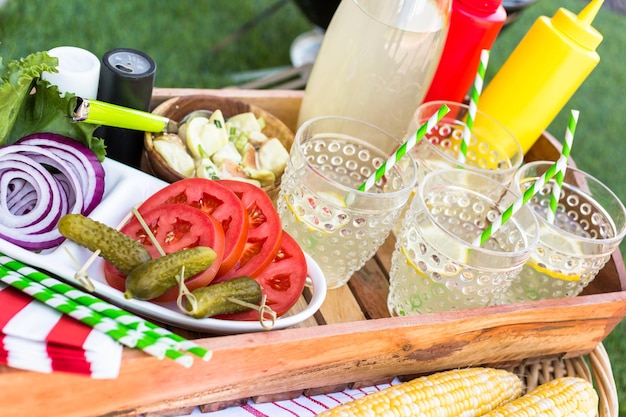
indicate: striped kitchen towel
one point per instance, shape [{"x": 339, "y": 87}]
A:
[
  {"x": 303, "y": 406},
  {"x": 38, "y": 338}
]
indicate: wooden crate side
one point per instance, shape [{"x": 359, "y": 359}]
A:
[{"x": 297, "y": 359}]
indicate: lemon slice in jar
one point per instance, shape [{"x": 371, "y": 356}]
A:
[
  {"x": 565, "y": 248},
  {"x": 333, "y": 198},
  {"x": 412, "y": 264},
  {"x": 319, "y": 217},
  {"x": 552, "y": 274},
  {"x": 443, "y": 250}
]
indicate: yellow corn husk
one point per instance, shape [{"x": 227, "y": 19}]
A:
[
  {"x": 463, "y": 392},
  {"x": 566, "y": 396}
]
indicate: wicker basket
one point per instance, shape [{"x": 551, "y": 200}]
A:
[{"x": 595, "y": 367}]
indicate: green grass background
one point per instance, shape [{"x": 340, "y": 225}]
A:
[{"x": 193, "y": 44}]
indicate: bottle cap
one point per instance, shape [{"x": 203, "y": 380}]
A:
[
  {"x": 482, "y": 6},
  {"x": 578, "y": 27}
]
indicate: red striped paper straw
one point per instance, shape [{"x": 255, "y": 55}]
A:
[
  {"x": 560, "y": 175},
  {"x": 477, "y": 89}
]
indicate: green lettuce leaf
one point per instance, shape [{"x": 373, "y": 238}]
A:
[{"x": 30, "y": 105}]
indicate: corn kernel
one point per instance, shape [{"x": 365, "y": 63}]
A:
[
  {"x": 571, "y": 396},
  {"x": 464, "y": 392}
]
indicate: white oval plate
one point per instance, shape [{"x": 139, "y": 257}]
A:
[{"x": 126, "y": 187}]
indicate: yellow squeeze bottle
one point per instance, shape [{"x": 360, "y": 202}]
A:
[{"x": 543, "y": 72}]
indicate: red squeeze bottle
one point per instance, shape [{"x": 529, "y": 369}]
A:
[{"x": 474, "y": 26}]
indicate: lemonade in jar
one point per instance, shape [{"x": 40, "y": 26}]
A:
[
  {"x": 436, "y": 267},
  {"x": 589, "y": 225},
  {"x": 319, "y": 204}
]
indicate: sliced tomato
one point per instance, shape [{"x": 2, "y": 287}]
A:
[
  {"x": 282, "y": 281},
  {"x": 214, "y": 199},
  {"x": 265, "y": 230},
  {"x": 175, "y": 227}
]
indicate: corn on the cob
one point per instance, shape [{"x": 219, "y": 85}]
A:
[
  {"x": 463, "y": 392},
  {"x": 566, "y": 396}
]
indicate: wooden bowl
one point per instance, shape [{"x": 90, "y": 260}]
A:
[{"x": 178, "y": 107}]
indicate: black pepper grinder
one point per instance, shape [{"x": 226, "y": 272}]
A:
[{"x": 126, "y": 79}]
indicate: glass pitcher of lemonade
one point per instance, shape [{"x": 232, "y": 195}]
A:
[{"x": 377, "y": 61}]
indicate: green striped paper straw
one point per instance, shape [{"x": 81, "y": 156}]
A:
[
  {"x": 477, "y": 88},
  {"x": 125, "y": 318},
  {"x": 517, "y": 205},
  {"x": 91, "y": 318},
  {"x": 560, "y": 175},
  {"x": 387, "y": 166}
]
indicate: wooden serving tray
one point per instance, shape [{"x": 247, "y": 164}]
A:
[{"x": 350, "y": 342}]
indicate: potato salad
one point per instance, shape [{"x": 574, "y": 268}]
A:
[{"x": 216, "y": 148}]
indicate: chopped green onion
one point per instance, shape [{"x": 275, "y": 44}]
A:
[{"x": 202, "y": 152}]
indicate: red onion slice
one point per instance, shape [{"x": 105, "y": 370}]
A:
[
  {"x": 19, "y": 190},
  {"x": 81, "y": 158},
  {"x": 26, "y": 204},
  {"x": 43, "y": 177},
  {"x": 50, "y": 199},
  {"x": 43, "y": 182},
  {"x": 47, "y": 158}
]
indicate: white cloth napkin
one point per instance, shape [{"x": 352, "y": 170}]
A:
[{"x": 38, "y": 338}]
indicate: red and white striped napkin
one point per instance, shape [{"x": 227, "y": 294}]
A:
[{"x": 38, "y": 338}]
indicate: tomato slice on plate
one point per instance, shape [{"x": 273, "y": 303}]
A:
[
  {"x": 175, "y": 227},
  {"x": 282, "y": 281},
  {"x": 264, "y": 230},
  {"x": 214, "y": 199}
]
